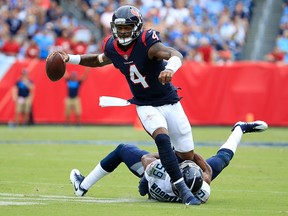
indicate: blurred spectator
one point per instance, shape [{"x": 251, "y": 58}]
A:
[
  {"x": 72, "y": 100},
  {"x": 22, "y": 95},
  {"x": 284, "y": 19},
  {"x": 82, "y": 33},
  {"x": 224, "y": 57},
  {"x": 168, "y": 13},
  {"x": 54, "y": 11},
  {"x": 193, "y": 55},
  {"x": 80, "y": 47},
  {"x": 182, "y": 12},
  {"x": 13, "y": 21},
  {"x": 106, "y": 17},
  {"x": 64, "y": 41},
  {"x": 214, "y": 8},
  {"x": 185, "y": 22},
  {"x": 282, "y": 42},
  {"x": 31, "y": 25},
  {"x": 45, "y": 39},
  {"x": 92, "y": 46},
  {"x": 206, "y": 51},
  {"x": 279, "y": 54},
  {"x": 240, "y": 12},
  {"x": 233, "y": 46},
  {"x": 32, "y": 51},
  {"x": 275, "y": 56},
  {"x": 11, "y": 47}
]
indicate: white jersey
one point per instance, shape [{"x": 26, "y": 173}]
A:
[{"x": 159, "y": 184}]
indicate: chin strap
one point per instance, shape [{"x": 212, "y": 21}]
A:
[{"x": 125, "y": 41}]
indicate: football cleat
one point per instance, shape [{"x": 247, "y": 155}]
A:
[
  {"x": 76, "y": 179},
  {"x": 185, "y": 194},
  {"x": 193, "y": 201},
  {"x": 250, "y": 127}
]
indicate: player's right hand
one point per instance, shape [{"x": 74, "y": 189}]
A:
[{"x": 165, "y": 76}]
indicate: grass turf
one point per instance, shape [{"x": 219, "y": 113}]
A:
[{"x": 36, "y": 162}]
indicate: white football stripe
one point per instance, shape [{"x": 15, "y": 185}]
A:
[{"x": 7, "y": 198}]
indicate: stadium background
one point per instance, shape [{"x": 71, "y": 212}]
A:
[{"x": 241, "y": 84}]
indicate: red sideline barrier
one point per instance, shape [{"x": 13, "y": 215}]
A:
[{"x": 212, "y": 95}]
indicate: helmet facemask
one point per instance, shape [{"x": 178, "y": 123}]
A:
[{"x": 126, "y": 16}]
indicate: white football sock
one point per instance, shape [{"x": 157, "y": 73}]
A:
[
  {"x": 233, "y": 140},
  {"x": 94, "y": 176}
]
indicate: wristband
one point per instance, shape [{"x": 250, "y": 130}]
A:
[
  {"x": 74, "y": 59},
  {"x": 174, "y": 63}
]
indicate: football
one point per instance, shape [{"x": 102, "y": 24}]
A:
[{"x": 55, "y": 66}]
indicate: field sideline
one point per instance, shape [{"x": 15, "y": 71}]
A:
[{"x": 36, "y": 162}]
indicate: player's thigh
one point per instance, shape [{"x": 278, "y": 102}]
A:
[
  {"x": 151, "y": 118},
  {"x": 179, "y": 128},
  {"x": 131, "y": 155}
]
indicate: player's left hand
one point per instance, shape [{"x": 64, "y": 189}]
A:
[
  {"x": 143, "y": 186},
  {"x": 165, "y": 76}
]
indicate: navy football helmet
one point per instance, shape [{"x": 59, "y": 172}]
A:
[
  {"x": 123, "y": 18},
  {"x": 192, "y": 174}
]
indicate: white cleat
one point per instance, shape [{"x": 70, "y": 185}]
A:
[
  {"x": 251, "y": 127},
  {"x": 76, "y": 179}
]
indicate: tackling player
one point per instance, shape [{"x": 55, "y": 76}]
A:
[
  {"x": 157, "y": 184},
  {"x": 148, "y": 66}
]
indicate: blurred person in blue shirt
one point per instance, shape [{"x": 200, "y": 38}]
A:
[
  {"x": 22, "y": 94},
  {"x": 72, "y": 100}
]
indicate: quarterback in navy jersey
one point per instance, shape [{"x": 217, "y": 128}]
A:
[
  {"x": 141, "y": 72},
  {"x": 148, "y": 66},
  {"x": 154, "y": 179}
]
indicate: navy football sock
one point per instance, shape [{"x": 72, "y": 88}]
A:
[
  {"x": 170, "y": 163},
  {"x": 220, "y": 161},
  {"x": 167, "y": 157}
]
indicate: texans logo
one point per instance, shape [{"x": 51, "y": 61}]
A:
[{"x": 134, "y": 12}]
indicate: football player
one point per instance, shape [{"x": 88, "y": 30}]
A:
[
  {"x": 154, "y": 179},
  {"x": 148, "y": 66}
]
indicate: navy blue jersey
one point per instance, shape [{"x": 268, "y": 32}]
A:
[
  {"x": 23, "y": 90},
  {"x": 140, "y": 72},
  {"x": 73, "y": 88}
]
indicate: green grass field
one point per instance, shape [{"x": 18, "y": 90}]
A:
[{"x": 35, "y": 163}]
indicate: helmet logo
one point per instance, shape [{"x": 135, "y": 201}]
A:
[{"x": 135, "y": 12}]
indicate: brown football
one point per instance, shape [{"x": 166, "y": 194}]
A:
[{"x": 55, "y": 67}]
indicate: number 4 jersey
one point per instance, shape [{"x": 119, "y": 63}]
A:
[{"x": 141, "y": 72}]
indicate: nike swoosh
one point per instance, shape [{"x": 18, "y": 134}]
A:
[{"x": 76, "y": 188}]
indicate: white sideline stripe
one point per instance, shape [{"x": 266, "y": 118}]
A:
[
  {"x": 31, "y": 198},
  {"x": 4, "y": 203},
  {"x": 149, "y": 143}
]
